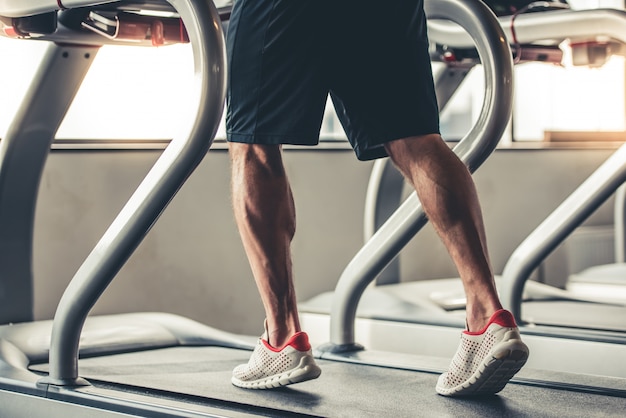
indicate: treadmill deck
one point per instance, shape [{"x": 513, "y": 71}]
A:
[{"x": 343, "y": 389}]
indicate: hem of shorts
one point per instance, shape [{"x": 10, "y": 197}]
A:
[
  {"x": 371, "y": 153},
  {"x": 271, "y": 139},
  {"x": 377, "y": 150}
]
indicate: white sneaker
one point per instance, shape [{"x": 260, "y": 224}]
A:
[
  {"x": 269, "y": 367},
  {"x": 485, "y": 361}
]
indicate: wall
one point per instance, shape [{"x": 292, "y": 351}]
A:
[{"x": 192, "y": 263}]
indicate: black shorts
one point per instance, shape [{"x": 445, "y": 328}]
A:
[{"x": 371, "y": 56}]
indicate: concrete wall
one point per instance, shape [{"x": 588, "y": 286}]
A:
[{"x": 192, "y": 263}]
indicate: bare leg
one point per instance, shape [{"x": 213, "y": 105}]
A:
[
  {"x": 447, "y": 193},
  {"x": 265, "y": 215}
]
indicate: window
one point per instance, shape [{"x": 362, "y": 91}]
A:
[
  {"x": 140, "y": 93},
  {"x": 128, "y": 93},
  {"x": 19, "y": 63},
  {"x": 570, "y": 99}
]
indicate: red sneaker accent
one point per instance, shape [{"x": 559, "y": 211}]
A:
[
  {"x": 299, "y": 341},
  {"x": 501, "y": 317}
]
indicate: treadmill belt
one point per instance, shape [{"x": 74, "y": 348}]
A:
[{"x": 343, "y": 390}]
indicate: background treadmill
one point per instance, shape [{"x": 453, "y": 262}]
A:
[{"x": 163, "y": 365}]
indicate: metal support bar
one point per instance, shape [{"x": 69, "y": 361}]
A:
[
  {"x": 19, "y": 8},
  {"x": 23, "y": 154},
  {"x": 549, "y": 26},
  {"x": 570, "y": 214},
  {"x": 175, "y": 165},
  {"x": 448, "y": 80},
  {"x": 478, "y": 144},
  {"x": 619, "y": 217},
  {"x": 384, "y": 192}
]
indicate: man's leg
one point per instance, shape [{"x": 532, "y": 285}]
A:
[
  {"x": 491, "y": 350},
  {"x": 447, "y": 193},
  {"x": 265, "y": 215}
]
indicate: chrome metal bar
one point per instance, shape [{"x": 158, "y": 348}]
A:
[
  {"x": 619, "y": 217},
  {"x": 177, "y": 162},
  {"x": 23, "y": 154},
  {"x": 384, "y": 193},
  {"x": 543, "y": 26},
  {"x": 478, "y": 144},
  {"x": 594, "y": 191},
  {"x": 21, "y": 8}
]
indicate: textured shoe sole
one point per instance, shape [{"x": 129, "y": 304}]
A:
[
  {"x": 494, "y": 373},
  {"x": 306, "y": 370}
]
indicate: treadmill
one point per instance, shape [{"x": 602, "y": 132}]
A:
[
  {"x": 607, "y": 280},
  {"x": 560, "y": 326},
  {"x": 163, "y": 365}
]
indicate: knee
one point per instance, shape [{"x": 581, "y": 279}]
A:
[
  {"x": 405, "y": 151},
  {"x": 414, "y": 144},
  {"x": 264, "y": 160}
]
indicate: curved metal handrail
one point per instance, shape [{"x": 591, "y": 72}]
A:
[
  {"x": 177, "y": 162},
  {"x": 409, "y": 218}
]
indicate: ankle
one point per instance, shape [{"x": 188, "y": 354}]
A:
[
  {"x": 477, "y": 319},
  {"x": 278, "y": 339},
  {"x": 279, "y": 335}
]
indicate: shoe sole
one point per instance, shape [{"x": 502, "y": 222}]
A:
[
  {"x": 306, "y": 370},
  {"x": 494, "y": 373}
]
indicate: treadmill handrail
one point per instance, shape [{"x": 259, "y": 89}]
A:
[
  {"x": 570, "y": 214},
  {"x": 542, "y": 26},
  {"x": 175, "y": 165},
  {"x": 495, "y": 53},
  {"x": 22, "y": 8}
]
